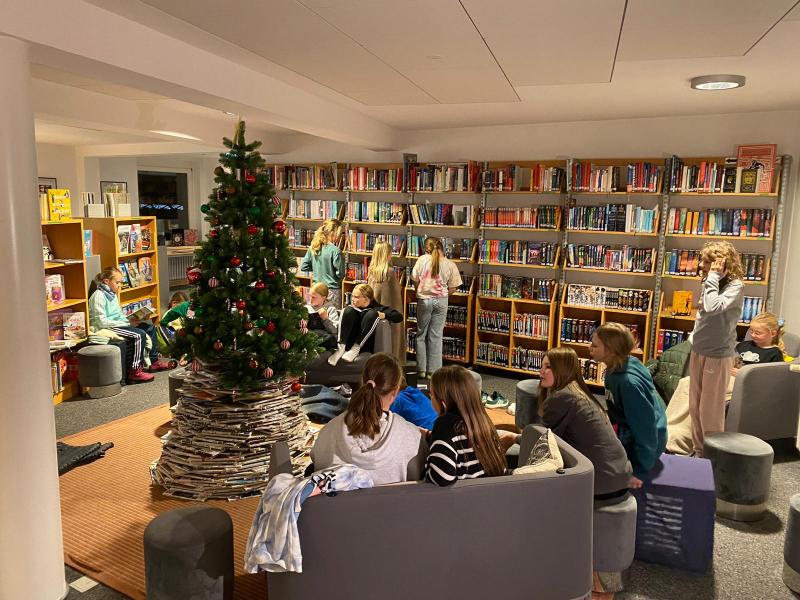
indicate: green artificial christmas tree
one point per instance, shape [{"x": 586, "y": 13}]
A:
[{"x": 248, "y": 343}]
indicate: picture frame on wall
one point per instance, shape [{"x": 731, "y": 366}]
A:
[
  {"x": 47, "y": 183},
  {"x": 113, "y": 187}
]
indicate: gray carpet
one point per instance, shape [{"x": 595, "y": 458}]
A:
[{"x": 748, "y": 557}]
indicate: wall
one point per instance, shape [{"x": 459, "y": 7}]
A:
[
  {"x": 121, "y": 169},
  {"x": 60, "y": 162}
]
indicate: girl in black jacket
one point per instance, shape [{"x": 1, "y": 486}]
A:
[{"x": 358, "y": 323}]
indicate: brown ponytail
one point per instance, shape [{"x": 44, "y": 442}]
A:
[
  {"x": 433, "y": 246},
  {"x": 382, "y": 375}
]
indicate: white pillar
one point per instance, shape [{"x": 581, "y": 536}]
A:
[{"x": 31, "y": 551}]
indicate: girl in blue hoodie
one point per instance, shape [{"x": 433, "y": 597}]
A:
[{"x": 634, "y": 405}]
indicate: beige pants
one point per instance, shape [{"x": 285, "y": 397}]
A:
[{"x": 708, "y": 381}]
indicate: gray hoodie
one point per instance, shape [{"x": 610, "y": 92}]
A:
[
  {"x": 397, "y": 453},
  {"x": 718, "y": 311}
]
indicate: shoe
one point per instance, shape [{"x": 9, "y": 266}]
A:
[
  {"x": 161, "y": 365},
  {"x": 139, "y": 376},
  {"x": 422, "y": 375},
  {"x": 497, "y": 400},
  {"x": 351, "y": 354},
  {"x": 512, "y": 408},
  {"x": 333, "y": 359},
  {"x": 485, "y": 397}
]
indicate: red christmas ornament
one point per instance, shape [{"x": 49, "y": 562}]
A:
[
  {"x": 241, "y": 304},
  {"x": 235, "y": 261},
  {"x": 218, "y": 346},
  {"x": 214, "y": 233},
  {"x": 268, "y": 372},
  {"x": 279, "y": 226},
  {"x": 296, "y": 387},
  {"x": 193, "y": 274},
  {"x": 182, "y": 332},
  {"x": 270, "y": 274},
  {"x": 285, "y": 344},
  {"x": 252, "y": 229},
  {"x": 213, "y": 282},
  {"x": 303, "y": 324},
  {"x": 253, "y": 364},
  {"x": 260, "y": 285},
  {"x": 271, "y": 327},
  {"x": 195, "y": 366},
  {"x": 249, "y": 177}
]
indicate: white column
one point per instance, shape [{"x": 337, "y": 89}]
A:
[{"x": 31, "y": 551}]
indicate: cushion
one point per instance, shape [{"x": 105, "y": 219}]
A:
[{"x": 545, "y": 457}]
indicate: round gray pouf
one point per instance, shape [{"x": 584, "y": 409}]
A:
[
  {"x": 176, "y": 377},
  {"x": 188, "y": 553},
  {"x": 614, "y": 536},
  {"x": 742, "y": 467},
  {"x": 791, "y": 546},
  {"x": 100, "y": 370},
  {"x": 527, "y": 399}
]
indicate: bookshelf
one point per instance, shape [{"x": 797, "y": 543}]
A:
[
  {"x": 65, "y": 239},
  {"x": 107, "y": 245}
]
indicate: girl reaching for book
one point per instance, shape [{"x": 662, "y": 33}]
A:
[{"x": 325, "y": 260}]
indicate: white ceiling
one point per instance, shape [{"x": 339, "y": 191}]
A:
[
  {"x": 64, "y": 135},
  {"x": 455, "y": 63}
]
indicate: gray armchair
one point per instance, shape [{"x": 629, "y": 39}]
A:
[{"x": 319, "y": 371}]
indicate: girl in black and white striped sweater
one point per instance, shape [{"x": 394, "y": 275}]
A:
[{"x": 463, "y": 444}]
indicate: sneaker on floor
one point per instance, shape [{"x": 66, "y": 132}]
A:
[
  {"x": 422, "y": 375},
  {"x": 161, "y": 365},
  {"x": 351, "y": 354},
  {"x": 497, "y": 400},
  {"x": 485, "y": 397},
  {"x": 139, "y": 376},
  {"x": 512, "y": 408}
]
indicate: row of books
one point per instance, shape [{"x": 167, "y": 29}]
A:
[
  {"x": 136, "y": 273},
  {"x": 516, "y": 178},
  {"x": 299, "y": 237},
  {"x": 495, "y": 321},
  {"x": 529, "y": 217},
  {"x": 377, "y": 212},
  {"x": 462, "y": 177},
  {"x": 452, "y": 347},
  {"x": 599, "y": 296},
  {"x": 314, "y": 177},
  {"x": 751, "y": 171},
  {"x": 736, "y": 222},
  {"x": 63, "y": 369},
  {"x": 456, "y": 315},
  {"x": 454, "y": 248},
  {"x": 687, "y": 263},
  {"x": 625, "y": 259},
  {"x": 592, "y": 370},
  {"x": 527, "y": 359},
  {"x": 532, "y": 325},
  {"x": 627, "y": 218},
  {"x": 527, "y": 288},
  {"x": 493, "y": 354},
  {"x": 635, "y": 177},
  {"x": 578, "y": 330},
  {"x": 518, "y": 252},
  {"x": 134, "y": 238},
  {"x": 751, "y": 307},
  {"x": 667, "y": 338},
  {"x": 461, "y": 215},
  {"x": 316, "y": 209},
  {"x": 66, "y": 325},
  {"x": 361, "y": 179},
  {"x": 364, "y": 242}
]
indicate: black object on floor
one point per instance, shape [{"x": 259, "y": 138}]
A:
[{"x": 70, "y": 457}]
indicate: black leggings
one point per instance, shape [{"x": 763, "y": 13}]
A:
[{"x": 357, "y": 327}]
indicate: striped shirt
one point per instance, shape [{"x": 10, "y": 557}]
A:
[{"x": 451, "y": 455}]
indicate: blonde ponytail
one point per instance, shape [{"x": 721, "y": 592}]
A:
[
  {"x": 327, "y": 232},
  {"x": 433, "y": 246}
]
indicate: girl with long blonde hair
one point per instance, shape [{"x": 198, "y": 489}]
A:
[
  {"x": 464, "y": 443},
  {"x": 436, "y": 277},
  {"x": 386, "y": 288},
  {"x": 325, "y": 260}
]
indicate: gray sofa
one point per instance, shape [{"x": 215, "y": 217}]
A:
[
  {"x": 526, "y": 536},
  {"x": 319, "y": 371}
]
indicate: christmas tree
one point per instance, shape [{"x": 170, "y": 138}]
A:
[
  {"x": 247, "y": 340},
  {"x": 248, "y": 321}
]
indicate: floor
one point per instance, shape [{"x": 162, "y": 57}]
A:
[{"x": 748, "y": 556}]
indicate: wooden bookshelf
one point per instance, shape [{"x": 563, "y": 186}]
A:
[{"x": 106, "y": 244}]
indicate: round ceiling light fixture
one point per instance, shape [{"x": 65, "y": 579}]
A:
[{"x": 717, "y": 82}]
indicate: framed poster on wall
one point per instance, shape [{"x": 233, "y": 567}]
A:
[{"x": 47, "y": 183}]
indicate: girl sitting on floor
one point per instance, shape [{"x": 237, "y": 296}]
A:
[
  {"x": 322, "y": 321},
  {"x": 370, "y": 437},
  {"x": 358, "y": 323},
  {"x": 464, "y": 443}
]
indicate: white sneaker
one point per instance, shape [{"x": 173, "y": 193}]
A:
[
  {"x": 351, "y": 354},
  {"x": 512, "y": 408},
  {"x": 334, "y": 358}
]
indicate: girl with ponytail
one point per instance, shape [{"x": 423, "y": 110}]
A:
[
  {"x": 325, "y": 260},
  {"x": 370, "y": 437}
]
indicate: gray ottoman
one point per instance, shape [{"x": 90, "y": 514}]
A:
[
  {"x": 176, "y": 377},
  {"x": 742, "y": 467},
  {"x": 791, "y": 546},
  {"x": 188, "y": 553},
  {"x": 100, "y": 370},
  {"x": 614, "y": 542},
  {"x": 527, "y": 400}
]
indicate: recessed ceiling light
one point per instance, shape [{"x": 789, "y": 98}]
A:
[
  {"x": 177, "y": 134},
  {"x": 229, "y": 113},
  {"x": 717, "y": 82}
]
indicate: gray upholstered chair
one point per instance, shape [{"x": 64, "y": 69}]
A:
[{"x": 319, "y": 371}]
